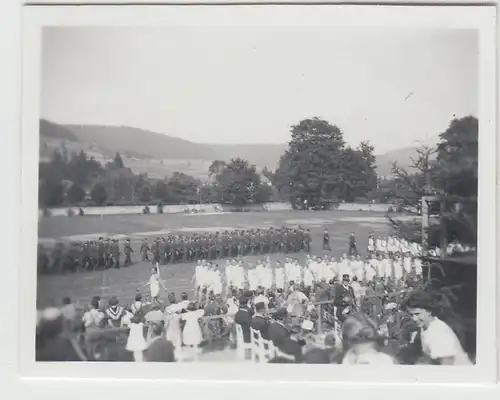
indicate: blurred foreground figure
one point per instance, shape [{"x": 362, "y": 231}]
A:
[{"x": 51, "y": 342}]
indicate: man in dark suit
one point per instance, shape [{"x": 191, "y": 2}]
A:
[
  {"x": 260, "y": 322},
  {"x": 344, "y": 298},
  {"x": 243, "y": 317},
  {"x": 278, "y": 333},
  {"x": 159, "y": 349}
]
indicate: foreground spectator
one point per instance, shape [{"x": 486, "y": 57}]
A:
[
  {"x": 68, "y": 309},
  {"x": 94, "y": 317},
  {"x": 136, "y": 342},
  {"x": 159, "y": 349},
  {"x": 440, "y": 343},
  {"x": 114, "y": 313},
  {"x": 260, "y": 322},
  {"x": 192, "y": 335},
  {"x": 244, "y": 318},
  {"x": 51, "y": 343},
  {"x": 364, "y": 344},
  {"x": 278, "y": 333}
]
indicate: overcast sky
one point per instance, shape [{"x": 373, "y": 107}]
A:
[{"x": 249, "y": 85}]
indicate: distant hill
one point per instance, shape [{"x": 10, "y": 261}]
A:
[
  {"x": 402, "y": 156},
  {"x": 55, "y": 131},
  {"x": 159, "y": 154}
]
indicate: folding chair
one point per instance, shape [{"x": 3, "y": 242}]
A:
[{"x": 241, "y": 346}]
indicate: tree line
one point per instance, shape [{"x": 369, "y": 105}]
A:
[
  {"x": 77, "y": 180},
  {"x": 449, "y": 170},
  {"x": 318, "y": 168}
]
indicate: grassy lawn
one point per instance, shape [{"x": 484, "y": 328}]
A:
[{"x": 124, "y": 282}]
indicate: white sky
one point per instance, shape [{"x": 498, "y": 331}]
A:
[{"x": 249, "y": 85}]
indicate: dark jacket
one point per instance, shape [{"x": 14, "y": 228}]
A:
[
  {"x": 261, "y": 324},
  {"x": 278, "y": 334},
  {"x": 244, "y": 318}
]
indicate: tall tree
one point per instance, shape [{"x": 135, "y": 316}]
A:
[
  {"x": 75, "y": 194},
  {"x": 160, "y": 190},
  {"x": 453, "y": 173},
  {"x": 237, "y": 183},
  {"x": 182, "y": 188},
  {"x": 318, "y": 166},
  {"x": 456, "y": 170},
  {"x": 416, "y": 181},
  {"x": 216, "y": 167},
  {"x": 308, "y": 167},
  {"x": 98, "y": 194}
]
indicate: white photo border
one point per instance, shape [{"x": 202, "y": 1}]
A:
[{"x": 446, "y": 17}]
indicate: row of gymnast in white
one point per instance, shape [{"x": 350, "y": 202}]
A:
[
  {"x": 394, "y": 245},
  {"x": 315, "y": 269}
]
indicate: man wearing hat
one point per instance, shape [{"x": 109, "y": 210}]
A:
[
  {"x": 344, "y": 298},
  {"x": 278, "y": 333},
  {"x": 259, "y": 321},
  {"x": 244, "y": 318}
]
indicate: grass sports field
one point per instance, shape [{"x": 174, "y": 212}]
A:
[{"x": 125, "y": 282}]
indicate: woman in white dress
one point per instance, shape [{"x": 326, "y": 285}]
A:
[
  {"x": 154, "y": 284},
  {"x": 136, "y": 342},
  {"x": 173, "y": 331},
  {"x": 439, "y": 341},
  {"x": 192, "y": 335}
]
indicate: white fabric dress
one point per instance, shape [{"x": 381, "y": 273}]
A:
[
  {"x": 154, "y": 286},
  {"x": 192, "y": 335},
  {"x": 136, "y": 341},
  {"x": 173, "y": 329}
]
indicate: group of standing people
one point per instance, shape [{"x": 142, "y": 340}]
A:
[
  {"x": 224, "y": 244},
  {"x": 85, "y": 256}
]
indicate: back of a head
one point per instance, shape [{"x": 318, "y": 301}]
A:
[
  {"x": 359, "y": 328},
  {"x": 66, "y": 301},
  {"x": 158, "y": 328},
  {"x": 260, "y": 307},
  {"x": 51, "y": 323},
  {"x": 95, "y": 301}
]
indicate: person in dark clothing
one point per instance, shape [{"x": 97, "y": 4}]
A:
[
  {"x": 145, "y": 250},
  {"x": 353, "y": 250},
  {"x": 159, "y": 349},
  {"x": 344, "y": 298},
  {"x": 326, "y": 240},
  {"x": 260, "y": 322},
  {"x": 278, "y": 333},
  {"x": 127, "y": 249},
  {"x": 243, "y": 317},
  {"x": 293, "y": 344},
  {"x": 51, "y": 344}
]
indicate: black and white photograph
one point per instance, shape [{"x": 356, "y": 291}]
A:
[{"x": 259, "y": 194}]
